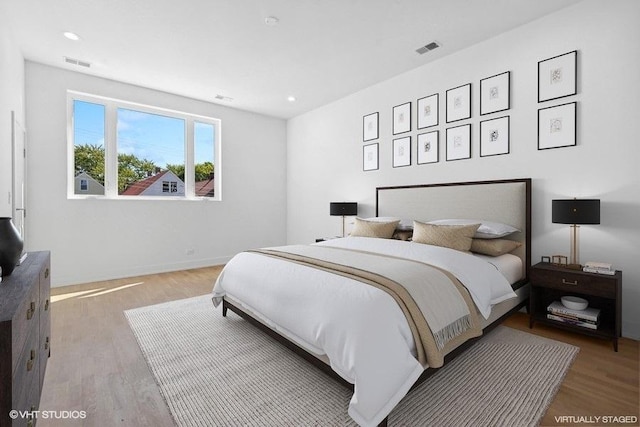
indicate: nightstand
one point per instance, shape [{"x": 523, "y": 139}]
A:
[{"x": 550, "y": 282}]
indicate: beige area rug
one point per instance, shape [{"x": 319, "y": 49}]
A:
[{"x": 215, "y": 371}]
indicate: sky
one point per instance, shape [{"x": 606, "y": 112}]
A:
[{"x": 147, "y": 136}]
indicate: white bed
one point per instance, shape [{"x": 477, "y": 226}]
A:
[{"x": 359, "y": 330}]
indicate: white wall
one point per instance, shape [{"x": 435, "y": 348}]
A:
[
  {"x": 325, "y": 146},
  {"x": 93, "y": 240},
  {"x": 11, "y": 99}
]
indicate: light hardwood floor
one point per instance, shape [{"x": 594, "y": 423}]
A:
[{"x": 96, "y": 365}]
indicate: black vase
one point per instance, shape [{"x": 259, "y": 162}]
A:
[{"x": 10, "y": 246}]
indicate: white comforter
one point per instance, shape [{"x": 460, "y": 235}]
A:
[{"x": 360, "y": 328}]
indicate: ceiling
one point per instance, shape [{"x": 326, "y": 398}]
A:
[{"x": 320, "y": 50}]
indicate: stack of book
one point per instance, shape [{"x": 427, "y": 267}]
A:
[
  {"x": 587, "y": 318},
  {"x": 599, "y": 267}
]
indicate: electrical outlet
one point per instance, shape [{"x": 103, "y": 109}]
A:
[{"x": 191, "y": 251}]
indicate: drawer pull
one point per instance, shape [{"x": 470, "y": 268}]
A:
[
  {"x": 46, "y": 305},
  {"x": 46, "y": 344},
  {"x": 31, "y": 310},
  {"x": 31, "y": 361},
  {"x": 46, "y": 273},
  {"x": 574, "y": 283}
]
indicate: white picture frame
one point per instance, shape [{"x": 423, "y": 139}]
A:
[
  {"x": 557, "y": 76},
  {"x": 494, "y": 137},
  {"x": 459, "y": 103},
  {"x": 370, "y": 127},
  {"x": 428, "y": 111},
  {"x": 427, "y": 147},
  {"x": 557, "y": 126},
  {"x": 402, "y": 152},
  {"x": 402, "y": 118},
  {"x": 495, "y": 93},
  {"x": 458, "y": 142},
  {"x": 370, "y": 158}
]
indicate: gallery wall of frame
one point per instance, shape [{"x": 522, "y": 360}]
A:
[{"x": 557, "y": 79}]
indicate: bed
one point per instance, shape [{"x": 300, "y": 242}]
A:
[{"x": 367, "y": 335}]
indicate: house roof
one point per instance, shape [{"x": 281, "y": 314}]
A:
[
  {"x": 136, "y": 188},
  {"x": 205, "y": 188}
]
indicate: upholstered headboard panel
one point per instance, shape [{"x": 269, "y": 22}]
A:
[{"x": 505, "y": 201}]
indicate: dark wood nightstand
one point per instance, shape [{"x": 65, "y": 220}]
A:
[{"x": 550, "y": 282}]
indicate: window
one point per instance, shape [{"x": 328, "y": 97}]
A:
[
  {"x": 88, "y": 147},
  {"x": 118, "y": 149}
]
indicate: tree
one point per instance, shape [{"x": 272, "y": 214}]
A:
[
  {"x": 177, "y": 169},
  {"x": 89, "y": 158},
  {"x": 202, "y": 171},
  {"x": 131, "y": 169}
]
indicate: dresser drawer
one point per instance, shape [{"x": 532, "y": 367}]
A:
[
  {"x": 27, "y": 373},
  {"x": 575, "y": 282},
  {"x": 26, "y": 319}
]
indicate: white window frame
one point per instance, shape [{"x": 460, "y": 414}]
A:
[{"x": 111, "y": 148}]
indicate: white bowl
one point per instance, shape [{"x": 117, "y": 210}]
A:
[{"x": 574, "y": 303}]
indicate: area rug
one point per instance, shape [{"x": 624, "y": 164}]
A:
[{"x": 216, "y": 371}]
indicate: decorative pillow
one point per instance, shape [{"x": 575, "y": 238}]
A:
[
  {"x": 381, "y": 229},
  {"x": 403, "y": 225},
  {"x": 487, "y": 229},
  {"x": 449, "y": 236},
  {"x": 494, "y": 247}
]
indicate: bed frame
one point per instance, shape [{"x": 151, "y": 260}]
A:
[{"x": 506, "y": 201}]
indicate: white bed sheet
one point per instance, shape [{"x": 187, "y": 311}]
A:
[
  {"x": 361, "y": 329},
  {"x": 509, "y": 265}
]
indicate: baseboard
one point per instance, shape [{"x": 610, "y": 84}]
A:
[
  {"x": 631, "y": 330},
  {"x": 122, "y": 273}
]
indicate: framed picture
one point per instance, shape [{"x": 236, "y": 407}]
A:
[
  {"x": 402, "y": 118},
  {"x": 495, "y": 93},
  {"x": 428, "y": 147},
  {"x": 402, "y": 152},
  {"x": 428, "y": 111},
  {"x": 459, "y": 103},
  {"x": 370, "y": 127},
  {"x": 370, "y": 157},
  {"x": 557, "y": 76},
  {"x": 459, "y": 142},
  {"x": 557, "y": 126},
  {"x": 494, "y": 137}
]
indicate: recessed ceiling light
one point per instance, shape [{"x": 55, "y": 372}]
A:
[
  {"x": 291, "y": 98},
  {"x": 271, "y": 20},
  {"x": 71, "y": 36}
]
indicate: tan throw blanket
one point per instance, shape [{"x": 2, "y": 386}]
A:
[{"x": 438, "y": 308}]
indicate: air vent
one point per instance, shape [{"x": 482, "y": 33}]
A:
[
  {"x": 223, "y": 98},
  {"x": 426, "y": 48},
  {"x": 78, "y": 62}
]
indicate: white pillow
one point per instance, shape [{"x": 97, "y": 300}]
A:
[{"x": 487, "y": 229}]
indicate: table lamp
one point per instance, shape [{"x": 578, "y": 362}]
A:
[
  {"x": 575, "y": 212},
  {"x": 343, "y": 209}
]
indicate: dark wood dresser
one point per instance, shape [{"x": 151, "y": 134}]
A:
[{"x": 25, "y": 337}]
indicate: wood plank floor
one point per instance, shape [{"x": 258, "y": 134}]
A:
[{"x": 96, "y": 365}]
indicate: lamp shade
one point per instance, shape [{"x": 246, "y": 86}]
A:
[
  {"x": 343, "y": 208},
  {"x": 575, "y": 211}
]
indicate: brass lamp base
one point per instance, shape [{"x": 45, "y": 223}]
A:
[{"x": 573, "y": 266}]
